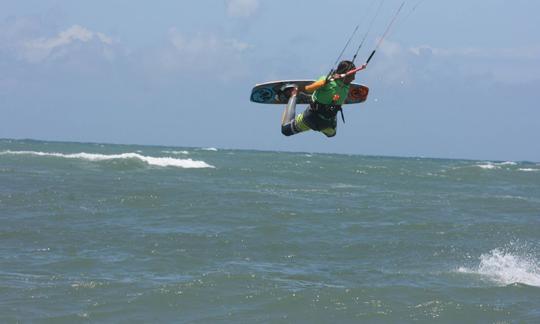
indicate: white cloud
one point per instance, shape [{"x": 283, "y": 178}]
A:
[
  {"x": 242, "y": 8},
  {"x": 202, "y": 53},
  {"x": 390, "y": 48},
  {"x": 237, "y": 45},
  {"x": 204, "y": 44},
  {"x": 39, "y": 49},
  {"x": 429, "y": 64},
  {"x": 27, "y": 40},
  {"x": 486, "y": 53}
]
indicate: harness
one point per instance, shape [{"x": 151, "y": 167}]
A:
[{"x": 326, "y": 112}]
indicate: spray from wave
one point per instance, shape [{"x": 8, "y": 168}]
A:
[
  {"x": 176, "y": 152},
  {"x": 157, "y": 161},
  {"x": 495, "y": 165},
  {"x": 507, "y": 268}
]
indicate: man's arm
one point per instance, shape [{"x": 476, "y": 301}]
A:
[{"x": 313, "y": 86}]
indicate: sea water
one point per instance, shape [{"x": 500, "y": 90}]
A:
[{"x": 123, "y": 233}]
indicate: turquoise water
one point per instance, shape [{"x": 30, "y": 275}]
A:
[{"x": 119, "y": 233}]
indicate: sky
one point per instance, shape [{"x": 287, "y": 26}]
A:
[{"x": 452, "y": 79}]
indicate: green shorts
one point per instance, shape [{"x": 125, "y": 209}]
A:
[{"x": 310, "y": 119}]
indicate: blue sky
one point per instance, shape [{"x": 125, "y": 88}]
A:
[{"x": 454, "y": 79}]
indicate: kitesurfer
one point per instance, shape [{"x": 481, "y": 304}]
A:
[{"x": 329, "y": 93}]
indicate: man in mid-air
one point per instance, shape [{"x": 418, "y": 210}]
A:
[{"x": 328, "y": 96}]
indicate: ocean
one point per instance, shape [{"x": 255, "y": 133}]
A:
[{"x": 152, "y": 234}]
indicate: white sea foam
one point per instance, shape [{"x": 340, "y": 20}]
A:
[
  {"x": 495, "y": 165},
  {"x": 342, "y": 186},
  {"x": 158, "y": 161},
  {"x": 507, "y": 268},
  {"x": 176, "y": 152},
  {"x": 529, "y": 170},
  {"x": 488, "y": 166},
  {"x": 209, "y": 149}
]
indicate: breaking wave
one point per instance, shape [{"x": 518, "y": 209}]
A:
[
  {"x": 507, "y": 268},
  {"x": 157, "y": 161},
  {"x": 488, "y": 166},
  {"x": 504, "y": 165},
  {"x": 176, "y": 152},
  {"x": 495, "y": 165}
]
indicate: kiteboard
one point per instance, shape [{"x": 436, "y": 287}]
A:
[{"x": 274, "y": 93}]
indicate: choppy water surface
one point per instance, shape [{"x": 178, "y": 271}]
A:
[{"x": 117, "y": 233}]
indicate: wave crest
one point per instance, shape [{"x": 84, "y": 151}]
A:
[
  {"x": 507, "y": 268},
  {"x": 157, "y": 161}
]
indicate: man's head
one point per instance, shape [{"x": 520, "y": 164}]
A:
[{"x": 344, "y": 67}]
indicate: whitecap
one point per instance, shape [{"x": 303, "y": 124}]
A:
[
  {"x": 158, "y": 161},
  {"x": 342, "y": 186},
  {"x": 507, "y": 268},
  {"x": 495, "y": 165},
  {"x": 176, "y": 152},
  {"x": 528, "y": 170},
  {"x": 488, "y": 166},
  {"x": 213, "y": 149}
]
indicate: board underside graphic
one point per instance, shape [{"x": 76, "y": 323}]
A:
[{"x": 272, "y": 93}]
